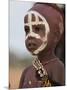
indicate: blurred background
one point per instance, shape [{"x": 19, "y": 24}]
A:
[{"x": 19, "y": 57}]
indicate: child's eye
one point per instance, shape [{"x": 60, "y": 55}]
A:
[
  {"x": 26, "y": 29},
  {"x": 37, "y": 29}
]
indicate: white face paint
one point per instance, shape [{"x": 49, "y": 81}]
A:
[{"x": 33, "y": 34}]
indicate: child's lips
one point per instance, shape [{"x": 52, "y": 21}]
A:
[{"x": 31, "y": 46}]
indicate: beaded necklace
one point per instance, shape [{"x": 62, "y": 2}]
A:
[{"x": 42, "y": 71}]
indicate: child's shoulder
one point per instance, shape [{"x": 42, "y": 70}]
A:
[
  {"x": 26, "y": 74},
  {"x": 55, "y": 62},
  {"x": 58, "y": 71},
  {"x": 58, "y": 63},
  {"x": 29, "y": 69}
]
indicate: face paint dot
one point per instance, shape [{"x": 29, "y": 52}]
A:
[{"x": 29, "y": 82}]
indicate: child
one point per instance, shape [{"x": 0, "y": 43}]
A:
[{"x": 43, "y": 25}]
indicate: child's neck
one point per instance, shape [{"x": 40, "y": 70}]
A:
[{"x": 46, "y": 56}]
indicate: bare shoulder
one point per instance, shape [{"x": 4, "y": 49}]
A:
[
  {"x": 29, "y": 69},
  {"x": 57, "y": 66},
  {"x": 56, "y": 63},
  {"x": 59, "y": 63},
  {"x": 58, "y": 72},
  {"x": 25, "y": 75}
]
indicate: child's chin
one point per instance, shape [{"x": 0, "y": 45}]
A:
[{"x": 32, "y": 52}]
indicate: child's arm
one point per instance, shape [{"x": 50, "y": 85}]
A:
[{"x": 22, "y": 78}]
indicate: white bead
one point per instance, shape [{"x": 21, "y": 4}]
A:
[{"x": 29, "y": 82}]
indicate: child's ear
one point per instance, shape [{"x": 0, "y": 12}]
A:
[
  {"x": 56, "y": 39},
  {"x": 59, "y": 32},
  {"x": 57, "y": 36}
]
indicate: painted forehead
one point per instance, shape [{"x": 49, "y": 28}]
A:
[{"x": 35, "y": 18}]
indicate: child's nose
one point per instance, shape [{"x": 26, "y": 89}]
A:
[
  {"x": 30, "y": 38},
  {"x": 31, "y": 41}
]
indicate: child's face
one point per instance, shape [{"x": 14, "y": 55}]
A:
[{"x": 35, "y": 33}]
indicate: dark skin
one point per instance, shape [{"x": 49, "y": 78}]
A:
[
  {"x": 40, "y": 29},
  {"x": 51, "y": 63},
  {"x": 32, "y": 42}
]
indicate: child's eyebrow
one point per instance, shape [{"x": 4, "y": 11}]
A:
[{"x": 39, "y": 25}]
